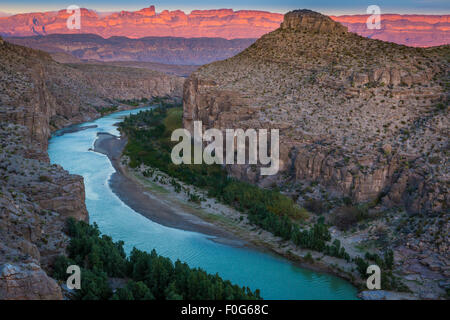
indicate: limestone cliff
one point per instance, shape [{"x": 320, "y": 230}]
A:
[
  {"x": 351, "y": 110},
  {"x": 224, "y": 23},
  {"x": 38, "y": 95},
  {"x": 360, "y": 120}
]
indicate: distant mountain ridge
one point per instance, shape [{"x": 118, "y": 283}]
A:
[
  {"x": 224, "y": 23},
  {"x": 412, "y": 30},
  {"x": 168, "y": 50},
  {"x": 362, "y": 124}
]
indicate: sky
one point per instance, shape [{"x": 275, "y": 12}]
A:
[{"x": 330, "y": 7}]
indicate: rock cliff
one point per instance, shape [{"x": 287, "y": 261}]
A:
[
  {"x": 360, "y": 120},
  {"x": 310, "y": 21},
  {"x": 35, "y": 90},
  {"x": 414, "y": 29},
  {"x": 37, "y": 96},
  {"x": 223, "y": 23}
]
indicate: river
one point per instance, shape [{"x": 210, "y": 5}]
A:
[{"x": 276, "y": 277}]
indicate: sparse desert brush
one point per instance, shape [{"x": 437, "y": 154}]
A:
[
  {"x": 44, "y": 178},
  {"x": 346, "y": 217}
]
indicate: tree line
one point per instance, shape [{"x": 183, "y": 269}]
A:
[
  {"x": 148, "y": 276},
  {"x": 149, "y": 143}
]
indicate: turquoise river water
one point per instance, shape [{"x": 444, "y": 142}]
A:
[{"x": 276, "y": 277}]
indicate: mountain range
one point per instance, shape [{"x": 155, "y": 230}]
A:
[
  {"x": 168, "y": 50},
  {"x": 413, "y": 30},
  {"x": 37, "y": 96}
]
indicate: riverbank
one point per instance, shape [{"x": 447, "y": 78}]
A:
[
  {"x": 165, "y": 188},
  {"x": 157, "y": 200},
  {"x": 159, "y": 209},
  {"x": 277, "y": 278}
]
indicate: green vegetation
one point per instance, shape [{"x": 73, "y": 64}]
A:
[
  {"x": 150, "y": 276},
  {"x": 45, "y": 179},
  {"x": 133, "y": 102},
  {"x": 149, "y": 143},
  {"x": 106, "y": 110},
  {"x": 388, "y": 280}
]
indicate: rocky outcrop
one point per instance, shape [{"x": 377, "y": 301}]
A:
[
  {"x": 361, "y": 122},
  {"x": 329, "y": 103},
  {"x": 27, "y": 282},
  {"x": 36, "y": 199},
  {"x": 307, "y": 20},
  {"x": 37, "y": 96}
]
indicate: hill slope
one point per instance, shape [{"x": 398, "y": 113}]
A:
[
  {"x": 38, "y": 95},
  {"x": 361, "y": 121},
  {"x": 224, "y": 23},
  {"x": 412, "y": 30}
]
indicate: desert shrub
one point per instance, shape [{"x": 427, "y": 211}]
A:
[
  {"x": 346, "y": 217},
  {"x": 45, "y": 179},
  {"x": 309, "y": 258},
  {"x": 314, "y": 205},
  {"x": 106, "y": 110}
]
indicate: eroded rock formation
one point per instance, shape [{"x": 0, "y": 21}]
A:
[
  {"x": 360, "y": 120},
  {"x": 37, "y": 96},
  {"x": 334, "y": 96},
  {"x": 413, "y": 30}
]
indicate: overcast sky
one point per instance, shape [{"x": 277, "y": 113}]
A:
[{"x": 282, "y": 6}]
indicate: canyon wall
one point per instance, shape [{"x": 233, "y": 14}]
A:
[
  {"x": 349, "y": 118},
  {"x": 412, "y": 30},
  {"x": 36, "y": 90},
  {"x": 37, "y": 96},
  {"x": 363, "y": 129}
]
